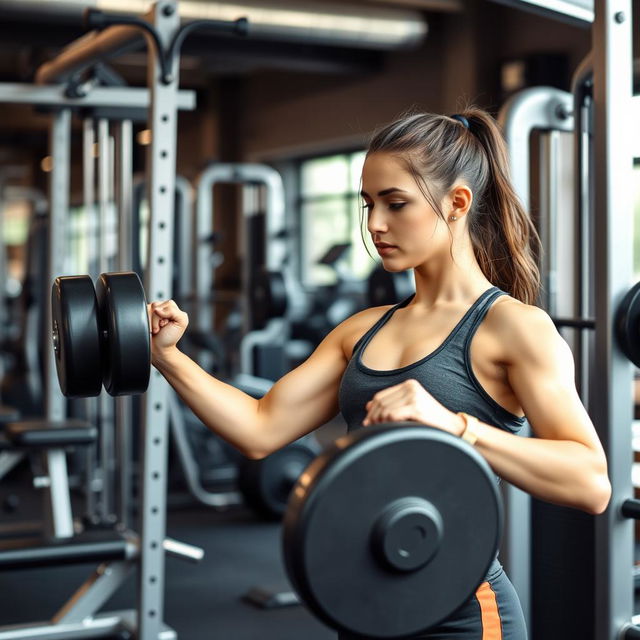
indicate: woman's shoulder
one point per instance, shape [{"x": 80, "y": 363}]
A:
[
  {"x": 355, "y": 326},
  {"x": 522, "y": 329}
]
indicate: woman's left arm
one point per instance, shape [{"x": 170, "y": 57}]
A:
[{"x": 564, "y": 463}]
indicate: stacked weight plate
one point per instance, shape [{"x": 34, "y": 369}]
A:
[{"x": 101, "y": 335}]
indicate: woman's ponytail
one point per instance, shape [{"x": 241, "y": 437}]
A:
[{"x": 504, "y": 237}]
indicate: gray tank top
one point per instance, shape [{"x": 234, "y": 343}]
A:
[{"x": 446, "y": 373}]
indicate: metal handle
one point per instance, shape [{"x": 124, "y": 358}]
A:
[
  {"x": 631, "y": 509},
  {"x": 182, "y": 550}
]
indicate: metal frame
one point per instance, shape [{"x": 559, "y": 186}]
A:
[
  {"x": 604, "y": 155},
  {"x": 55, "y": 97},
  {"x": 123, "y": 134},
  {"x": 57, "y": 503},
  {"x": 185, "y": 195},
  {"x": 76, "y": 619},
  {"x": 275, "y": 243},
  {"x": 538, "y": 108},
  {"x": 611, "y": 405},
  {"x": 161, "y": 165},
  {"x": 581, "y": 88}
]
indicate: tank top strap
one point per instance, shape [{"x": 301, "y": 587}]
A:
[
  {"x": 374, "y": 329},
  {"x": 477, "y": 314}
]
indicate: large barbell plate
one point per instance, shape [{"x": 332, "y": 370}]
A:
[
  {"x": 392, "y": 529},
  {"x": 76, "y": 337},
  {"x": 125, "y": 325},
  {"x": 628, "y": 324},
  {"x": 266, "y": 484}
]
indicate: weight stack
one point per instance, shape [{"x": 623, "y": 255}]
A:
[{"x": 563, "y": 573}]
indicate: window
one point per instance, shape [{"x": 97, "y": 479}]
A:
[{"x": 330, "y": 214}]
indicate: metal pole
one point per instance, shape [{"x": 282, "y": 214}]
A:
[
  {"x": 184, "y": 193},
  {"x": 124, "y": 199},
  {"x": 161, "y": 167},
  {"x": 111, "y": 97},
  {"x": 107, "y": 448},
  {"x": 536, "y": 108},
  {"x": 57, "y": 503},
  {"x": 549, "y": 172},
  {"x": 583, "y": 199},
  {"x": 611, "y": 407},
  {"x": 91, "y": 236}
]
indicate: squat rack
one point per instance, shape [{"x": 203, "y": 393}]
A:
[{"x": 162, "y": 98}]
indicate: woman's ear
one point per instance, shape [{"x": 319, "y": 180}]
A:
[{"x": 461, "y": 198}]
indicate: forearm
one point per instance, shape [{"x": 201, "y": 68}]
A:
[
  {"x": 232, "y": 414},
  {"x": 559, "y": 471}
]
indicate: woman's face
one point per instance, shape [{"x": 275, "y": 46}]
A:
[{"x": 404, "y": 227}]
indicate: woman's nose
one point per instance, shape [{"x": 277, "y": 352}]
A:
[{"x": 376, "y": 223}]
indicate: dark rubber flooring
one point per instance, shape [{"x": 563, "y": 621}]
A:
[{"x": 201, "y": 601}]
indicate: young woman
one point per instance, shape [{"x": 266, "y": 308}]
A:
[{"x": 468, "y": 353}]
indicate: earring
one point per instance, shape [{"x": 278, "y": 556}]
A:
[{"x": 453, "y": 218}]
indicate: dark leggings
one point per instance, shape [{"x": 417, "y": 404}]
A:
[{"x": 493, "y": 613}]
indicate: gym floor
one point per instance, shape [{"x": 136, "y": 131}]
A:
[{"x": 201, "y": 600}]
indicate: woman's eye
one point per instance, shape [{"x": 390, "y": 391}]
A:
[
  {"x": 366, "y": 206},
  {"x": 396, "y": 206}
]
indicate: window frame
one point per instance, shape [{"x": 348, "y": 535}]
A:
[{"x": 347, "y": 197}]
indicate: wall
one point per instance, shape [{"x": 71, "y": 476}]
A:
[{"x": 288, "y": 113}]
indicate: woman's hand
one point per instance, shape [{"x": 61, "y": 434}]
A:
[
  {"x": 167, "y": 323},
  {"x": 409, "y": 400}
]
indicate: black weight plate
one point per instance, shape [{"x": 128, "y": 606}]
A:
[
  {"x": 266, "y": 484},
  {"x": 628, "y": 324},
  {"x": 386, "y": 287},
  {"x": 76, "y": 337},
  {"x": 332, "y": 544},
  {"x": 125, "y": 325},
  {"x": 268, "y": 297}
]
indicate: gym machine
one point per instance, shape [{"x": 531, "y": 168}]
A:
[
  {"x": 146, "y": 551},
  {"x": 546, "y": 548},
  {"x": 274, "y": 294},
  {"x": 264, "y": 484}
]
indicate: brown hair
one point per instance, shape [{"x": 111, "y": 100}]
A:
[{"x": 439, "y": 150}]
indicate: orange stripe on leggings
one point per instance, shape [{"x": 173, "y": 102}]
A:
[{"x": 491, "y": 627}]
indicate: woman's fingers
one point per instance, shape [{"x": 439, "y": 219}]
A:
[
  {"x": 164, "y": 313},
  {"x": 393, "y": 403}
]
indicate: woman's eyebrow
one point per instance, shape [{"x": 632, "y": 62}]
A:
[{"x": 384, "y": 192}]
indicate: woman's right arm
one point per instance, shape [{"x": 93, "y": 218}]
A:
[{"x": 298, "y": 403}]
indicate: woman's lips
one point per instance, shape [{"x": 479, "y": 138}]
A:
[{"x": 384, "y": 248}]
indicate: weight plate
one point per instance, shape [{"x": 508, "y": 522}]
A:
[
  {"x": 266, "y": 484},
  {"x": 391, "y": 529},
  {"x": 76, "y": 337},
  {"x": 124, "y": 323},
  {"x": 628, "y": 325},
  {"x": 268, "y": 297}
]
